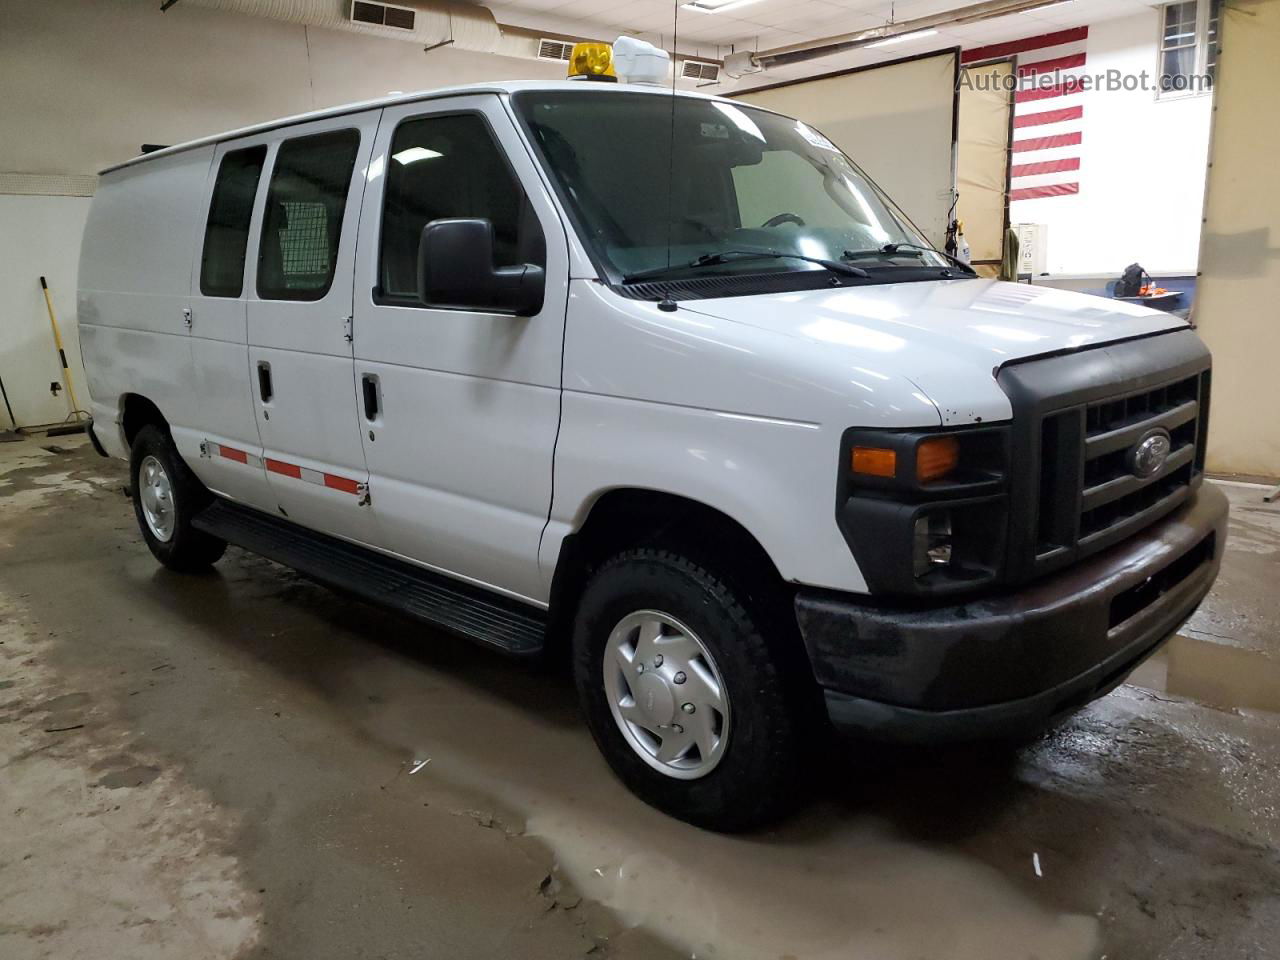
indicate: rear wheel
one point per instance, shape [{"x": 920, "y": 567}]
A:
[
  {"x": 682, "y": 693},
  {"x": 166, "y": 495}
]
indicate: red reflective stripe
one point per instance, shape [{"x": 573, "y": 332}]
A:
[
  {"x": 1023, "y": 46},
  {"x": 284, "y": 469},
  {"x": 239, "y": 456},
  {"x": 1048, "y": 143},
  {"x": 1048, "y": 66},
  {"x": 1035, "y": 193},
  {"x": 341, "y": 483},
  {"x": 1044, "y": 166},
  {"x": 1049, "y": 116}
]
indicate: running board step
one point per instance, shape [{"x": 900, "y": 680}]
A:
[{"x": 460, "y": 608}]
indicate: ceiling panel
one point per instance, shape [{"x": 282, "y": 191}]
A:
[{"x": 769, "y": 23}]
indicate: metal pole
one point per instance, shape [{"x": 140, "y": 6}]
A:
[{"x": 7, "y": 436}]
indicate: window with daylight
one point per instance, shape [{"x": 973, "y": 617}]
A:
[{"x": 1189, "y": 46}]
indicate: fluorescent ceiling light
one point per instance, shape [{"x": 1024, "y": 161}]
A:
[
  {"x": 902, "y": 37},
  {"x": 716, "y": 6},
  {"x": 414, "y": 154},
  {"x": 1046, "y": 6}
]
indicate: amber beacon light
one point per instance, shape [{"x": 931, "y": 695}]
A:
[{"x": 592, "y": 61}]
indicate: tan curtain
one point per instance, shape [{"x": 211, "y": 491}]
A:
[{"x": 982, "y": 165}]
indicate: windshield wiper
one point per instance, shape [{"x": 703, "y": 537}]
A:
[
  {"x": 734, "y": 256},
  {"x": 889, "y": 249}
]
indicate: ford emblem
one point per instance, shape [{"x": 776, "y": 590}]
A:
[{"x": 1148, "y": 456}]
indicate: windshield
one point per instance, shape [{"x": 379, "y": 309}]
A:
[{"x": 741, "y": 180}]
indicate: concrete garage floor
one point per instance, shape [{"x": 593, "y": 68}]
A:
[{"x": 223, "y": 766}]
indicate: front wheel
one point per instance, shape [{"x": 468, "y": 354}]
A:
[
  {"x": 682, "y": 694},
  {"x": 166, "y": 495}
]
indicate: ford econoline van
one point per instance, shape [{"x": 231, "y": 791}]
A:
[{"x": 662, "y": 382}]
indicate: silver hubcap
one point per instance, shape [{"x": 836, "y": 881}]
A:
[
  {"x": 155, "y": 494},
  {"x": 666, "y": 694}
]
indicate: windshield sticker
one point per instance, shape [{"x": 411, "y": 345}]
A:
[
  {"x": 814, "y": 138},
  {"x": 715, "y": 131}
]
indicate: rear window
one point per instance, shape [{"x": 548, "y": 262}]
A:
[
  {"x": 226, "y": 235},
  {"x": 303, "y": 220}
]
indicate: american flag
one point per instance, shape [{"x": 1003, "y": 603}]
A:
[{"x": 1048, "y": 111}]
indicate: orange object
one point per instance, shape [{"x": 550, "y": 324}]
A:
[
  {"x": 875, "y": 462},
  {"x": 936, "y": 457}
]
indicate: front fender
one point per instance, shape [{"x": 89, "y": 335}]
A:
[{"x": 774, "y": 477}]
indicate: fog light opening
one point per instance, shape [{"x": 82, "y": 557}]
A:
[{"x": 932, "y": 543}]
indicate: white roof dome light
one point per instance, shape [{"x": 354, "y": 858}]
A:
[{"x": 638, "y": 62}]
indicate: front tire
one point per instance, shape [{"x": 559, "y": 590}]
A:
[
  {"x": 166, "y": 495},
  {"x": 682, "y": 693}
]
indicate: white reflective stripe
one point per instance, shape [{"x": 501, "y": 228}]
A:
[{"x": 312, "y": 476}]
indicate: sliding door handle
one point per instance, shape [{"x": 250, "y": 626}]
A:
[
  {"x": 369, "y": 387},
  {"x": 264, "y": 381}
]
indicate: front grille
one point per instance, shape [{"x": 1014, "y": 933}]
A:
[
  {"x": 1111, "y": 494},
  {"x": 1089, "y": 493},
  {"x": 1074, "y": 484}
]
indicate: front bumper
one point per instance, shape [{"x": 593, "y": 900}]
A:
[{"x": 1008, "y": 664}]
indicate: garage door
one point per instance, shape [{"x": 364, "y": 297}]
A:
[{"x": 896, "y": 120}]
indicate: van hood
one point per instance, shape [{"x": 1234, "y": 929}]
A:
[{"x": 948, "y": 337}]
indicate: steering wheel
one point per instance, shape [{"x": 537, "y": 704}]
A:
[{"x": 781, "y": 218}]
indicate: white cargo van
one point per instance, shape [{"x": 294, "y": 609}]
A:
[{"x": 663, "y": 382}]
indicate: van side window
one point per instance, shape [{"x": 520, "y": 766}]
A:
[
  {"x": 450, "y": 166},
  {"x": 303, "y": 220},
  {"x": 227, "y": 233}
]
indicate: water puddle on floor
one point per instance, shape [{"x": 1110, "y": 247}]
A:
[{"x": 1213, "y": 672}]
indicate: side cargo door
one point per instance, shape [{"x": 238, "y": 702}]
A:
[
  {"x": 230, "y": 461},
  {"x": 459, "y": 407},
  {"x": 299, "y": 316}
]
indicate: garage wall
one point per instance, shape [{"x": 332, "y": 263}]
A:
[
  {"x": 1142, "y": 166},
  {"x": 1239, "y": 288},
  {"x": 89, "y": 81},
  {"x": 38, "y": 236}
]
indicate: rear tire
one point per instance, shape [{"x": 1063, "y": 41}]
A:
[
  {"x": 166, "y": 495},
  {"x": 732, "y": 762}
]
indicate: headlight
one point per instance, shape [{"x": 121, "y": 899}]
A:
[{"x": 925, "y": 512}]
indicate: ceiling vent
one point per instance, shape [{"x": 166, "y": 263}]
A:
[
  {"x": 382, "y": 15},
  {"x": 699, "y": 70},
  {"x": 554, "y": 49}
]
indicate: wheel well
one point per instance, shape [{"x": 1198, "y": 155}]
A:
[
  {"x": 136, "y": 412},
  {"x": 626, "y": 518}
]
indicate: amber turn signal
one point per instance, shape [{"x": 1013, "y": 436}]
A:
[
  {"x": 936, "y": 458},
  {"x": 875, "y": 462}
]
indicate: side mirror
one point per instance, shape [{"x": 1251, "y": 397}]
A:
[{"x": 455, "y": 269}]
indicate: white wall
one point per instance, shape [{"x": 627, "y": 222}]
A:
[
  {"x": 83, "y": 83},
  {"x": 1142, "y": 168},
  {"x": 39, "y": 236}
]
